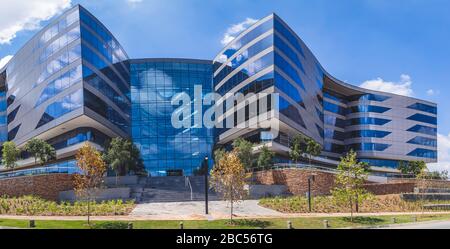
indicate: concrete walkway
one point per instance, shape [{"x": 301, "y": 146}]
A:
[
  {"x": 196, "y": 210},
  {"x": 421, "y": 225}
]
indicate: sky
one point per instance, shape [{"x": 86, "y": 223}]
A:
[{"x": 398, "y": 46}]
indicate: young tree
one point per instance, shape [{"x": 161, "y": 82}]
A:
[
  {"x": 218, "y": 154},
  {"x": 265, "y": 158},
  {"x": 40, "y": 150},
  {"x": 297, "y": 148},
  {"x": 123, "y": 156},
  {"x": 413, "y": 168},
  {"x": 417, "y": 167},
  {"x": 313, "y": 149},
  {"x": 244, "y": 150},
  {"x": 10, "y": 155},
  {"x": 423, "y": 179},
  {"x": 93, "y": 168},
  {"x": 349, "y": 182},
  {"x": 228, "y": 179}
]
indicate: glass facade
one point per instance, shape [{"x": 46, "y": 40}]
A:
[{"x": 164, "y": 148}]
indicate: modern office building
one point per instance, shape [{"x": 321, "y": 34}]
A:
[
  {"x": 74, "y": 83},
  {"x": 68, "y": 85},
  {"x": 383, "y": 128}
]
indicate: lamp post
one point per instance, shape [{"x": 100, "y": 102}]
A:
[
  {"x": 205, "y": 165},
  {"x": 311, "y": 179}
]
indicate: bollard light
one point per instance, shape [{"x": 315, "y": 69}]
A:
[
  {"x": 181, "y": 225},
  {"x": 289, "y": 224},
  {"x": 326, "y": 224},
  {"x": 32, "y": 224}
]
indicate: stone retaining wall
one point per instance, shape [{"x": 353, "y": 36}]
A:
[
  {"x": 296, "y": 181},
  {"x": 428, "y": 183},
  {"x": 390, "y": 188},
  {"x": 44, "y": 186}
]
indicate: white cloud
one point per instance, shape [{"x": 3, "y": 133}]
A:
[
  {"x": 432, "y": 92},
  {"x": 403, "y": 87},
  {"x": 5, "y": 60},
  {"x": 443, "y": 154},
  {"x": 19, "y": 15},
  {"x": 236, "y": 29}
]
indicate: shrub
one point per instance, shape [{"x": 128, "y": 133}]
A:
[
  {"x": 31, "y": 205},
  {"x": 110, "y": 225},
  {"x": 326, "y": 204}
]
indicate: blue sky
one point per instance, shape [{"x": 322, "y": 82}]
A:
[{"x": 400, "y": 46}]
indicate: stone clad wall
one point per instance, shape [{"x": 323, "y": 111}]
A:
[
  {"x": 296, "y": 181},
  {"x": 390, "y": 188},
  {"x": 44, "y": 186}
]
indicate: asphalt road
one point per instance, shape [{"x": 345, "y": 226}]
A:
[{"x": 423, "y": 225}]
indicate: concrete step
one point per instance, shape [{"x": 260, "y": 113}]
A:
[
  {"x": 434, "y": 190},
  {"x": 427, "y": 196}
]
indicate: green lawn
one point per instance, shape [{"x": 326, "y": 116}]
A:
[{"x": 300, "y": 223}]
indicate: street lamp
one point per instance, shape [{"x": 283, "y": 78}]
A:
[
  {"x": 311, "y": 179},
  {"x": 205, "y": 167}
]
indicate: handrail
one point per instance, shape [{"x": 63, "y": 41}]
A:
[
  {"x": 295, "y": 166},
  {"x": 187, "y": 182}
]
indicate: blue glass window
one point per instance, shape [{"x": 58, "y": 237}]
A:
[
  {"x": 58, "y": 85},
  {"x": 423, "y": 118},
  {"x": 369, "y": 147},
  {"x": 290, "y": 111},
  {"x": 334, "y": 121},
  {"x": 12, "y": 133},
  {"x": 288, "y": 89},
  {"x": 369, "y": 97},
  {"x": 424, "y": 130},
  {"x": 250, "y": 36},
  {"x": 327, "y": 106},
  {"x": 381, "y": 163},
  {"x": 333, "y": 134},
  {"x": 333, "y": 148},
  {"x": 424, "y": 141},
  {"x": 286, "y": 50},
  {"x": 424, "y": 107},
  {"x": 290, "y": 36},
  {"x": 368, "y": 133},
  {"x": 290, "y": 71},
  {"x": 334, "y": 96},
  {"x": 99, "y": 106},
  {"x": 60, "y": 43},
  {"x": 243, "y": 57},
  {"x": 248, "y": 71},
  {"x": 57, "y": 28},
  {"x": 61, "y": 107},
  {"x": 12, "y": 115},
  {"x": 59, "y": 63},
  {"x": 367, "y": 121},
  {"x": 368, "y": 108},
  {"x": 423, "y": 153}
]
